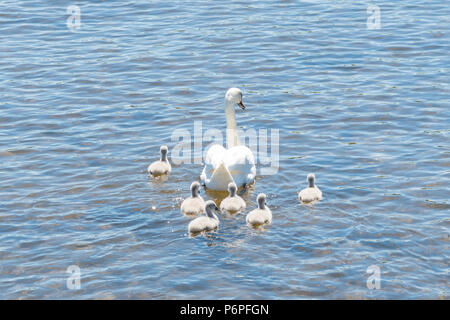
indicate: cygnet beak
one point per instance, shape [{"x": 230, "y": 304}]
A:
[{"x": 240, "y": 104}]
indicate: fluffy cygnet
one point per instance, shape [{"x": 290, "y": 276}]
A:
[
  {"x": 262, "y": 215},
  {"x": 193, "y": 205},
  {"x": 312, "y": 193},
  {"x": 162, "y": 166},
  {"x": 233, "y": 203},
  {"x": 208, "y": 222}
]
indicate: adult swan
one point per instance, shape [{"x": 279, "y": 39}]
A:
[{"x": 235, "y": 164}]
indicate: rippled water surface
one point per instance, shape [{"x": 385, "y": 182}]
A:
[{"x": 83, "y": 113}]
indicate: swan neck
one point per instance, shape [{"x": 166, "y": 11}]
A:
[
  {"x": 232, "y": 136},
  {"x": 261, "y": 204},
  {"x": 211, "y": 214}
]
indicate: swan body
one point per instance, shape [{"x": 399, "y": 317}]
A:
[
  {"x": 262, "y": 215},
  {"x": 162, "y": 166},
  {"x": 235, "y": 164},
  {"x": 193, "y": 205},
  {"x": 312, "y": 193},
  {"x": 205, "y": 223},
  {"x": 232, "y": 203}
]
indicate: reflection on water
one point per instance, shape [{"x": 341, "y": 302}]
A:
[{"x": 82, "y": 115}]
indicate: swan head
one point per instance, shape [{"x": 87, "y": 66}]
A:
[
  {"x": 261, "y": 199},
  {"x": 311, "y": 177},
  {"x": 234, "y": 96},
  {"x": 211, "y": 209},
  {"x": 195, "y": 189},
  {"x": 232, "y": 188},
  {"x": 164, "y": 150}
]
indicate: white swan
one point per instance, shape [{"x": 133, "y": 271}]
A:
[
  {"x": 232, "y": 203},
  {"x": 205, "y": 223},
  {"x": 262, "y": 215},
  {"x": 193, "y": 205},
  {"x": 235, "y": 164},
  {"x": 162, "y": 166},
  {"x": 312, "y": 193}
]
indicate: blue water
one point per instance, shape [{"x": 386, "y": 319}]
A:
[{"x": 83, "y": 113}]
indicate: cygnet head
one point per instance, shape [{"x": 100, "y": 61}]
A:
[
  {"x": 261, "y": 199},
  {"x": 232, "y": 188},
  {"x": 195, "y": 189},
  {"x": 311, "y": 178},
  {"x": 164, "y": 150},
  {"x": 234, "y": 95},
  {"x": 211, "y": 208}
]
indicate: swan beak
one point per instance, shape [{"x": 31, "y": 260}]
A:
[{"x": 241, "y": 105}]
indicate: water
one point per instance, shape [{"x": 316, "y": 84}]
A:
[{"x": 82, "y": 114}]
